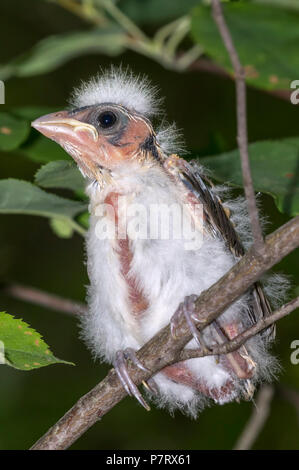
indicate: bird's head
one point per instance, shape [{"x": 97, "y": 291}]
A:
[{"x": 108, "y": 125}]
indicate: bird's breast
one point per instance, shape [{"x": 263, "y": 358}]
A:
[{"x": 124, "y": 252}]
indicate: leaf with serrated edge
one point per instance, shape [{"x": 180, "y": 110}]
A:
[{"x": 23, "y": 347}]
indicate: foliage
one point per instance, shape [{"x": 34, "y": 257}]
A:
[
  {"x": 270, "y": 63},
  {"x": 271, "y": 173},
  {"x": 177, "y": 35},
  {"x": 266, "y": 37},
  {"x": 22, "y": 347}
]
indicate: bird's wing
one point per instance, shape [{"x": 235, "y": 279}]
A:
[{"x": 217, "y": 222}]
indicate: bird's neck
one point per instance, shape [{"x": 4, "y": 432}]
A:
[{"x": 126, "y": 180}]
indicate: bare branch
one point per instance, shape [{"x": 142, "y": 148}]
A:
[
  {"x": 38, "y": 297},
  {"x": 163, "y": 349},
  {"x": 242, "y": 137},
  {"x": 205, "y": 65},
  {"x": 258, "y": 418}
]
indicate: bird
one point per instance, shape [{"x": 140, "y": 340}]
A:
[{"x": 144, "y": 269}]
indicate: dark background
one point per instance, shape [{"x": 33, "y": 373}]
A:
[{"x": 203, "y": 106}]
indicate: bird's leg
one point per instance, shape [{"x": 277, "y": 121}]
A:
[
  {"x": 238, "y": 361},
  {"x": 187, "y": 309},
  {"x": 120, "y": 367}
]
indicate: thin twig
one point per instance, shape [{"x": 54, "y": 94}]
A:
[
  {"x": 239, "y": 340},
  {"x": 39, "y": 297},
  {"x": 163, "y": 349},
  {"x": 257, "y": 420},
  {"x": 85, "y": 13},
  {"x": 242, "y": 137},
  {"x": 191, "y": 62},
  {"x": 128, "y": 25}
]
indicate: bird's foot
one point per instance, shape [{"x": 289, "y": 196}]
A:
[
  {"x": 151, "y": 386},
  {"x": 187, "y": 309},
  {"x": 120, "y": 366}
]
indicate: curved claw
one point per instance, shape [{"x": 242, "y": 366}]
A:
[
  {"x": 130, "y": 354},
  {"x": 151, "y": 386},
  {"x": 187, "y": 308},
  {"x": 122, "y": 372}
]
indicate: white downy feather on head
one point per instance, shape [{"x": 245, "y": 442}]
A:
[
  {"x": 135, "y": 92},
  {"x": 119, "y": 86}
]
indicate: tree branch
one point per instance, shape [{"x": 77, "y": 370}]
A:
[
  {"x": 258, "y": 418},
  {"x": 237, "y": 342},
  {"x": 242, "y": 137},
  {"x": 38, "y": 297},
  {"x": 205, "y": 65},
  {"x": 163, "y": 349}
]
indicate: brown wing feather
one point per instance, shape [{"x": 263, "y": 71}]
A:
[{"x": 218, "y": 223}]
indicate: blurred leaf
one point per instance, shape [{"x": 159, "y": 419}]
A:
[
  {"x": 155, "y": 11},
  {"x": 83, "y": 219},
  {"x": 275, "y": 170},
  {"x": 23, "y": 347},
  {"x": 60, "y": 174},
  {"x": 292, "y": 4},
  {"x": 15, "y": 134},
  {"x": 13, "y": 131},
  {"x": 61, "y": 228},
  {"x": 266, "y": 38},
  {"x": 21, "y": 197},
  {"x": 40, "y": 149},
  {"x": 29, "y": 113},
  {"x": 53, "y": 51}
]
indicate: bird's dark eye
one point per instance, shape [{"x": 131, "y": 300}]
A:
[{"x": 107, "y": 119}]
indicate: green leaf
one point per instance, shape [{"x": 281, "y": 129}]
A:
[
  {"x": 83, "y": 219},
  {"x": 21, "y": 197},
  {"x": 266, "y": 38},
  {"x": 292, "y": 4},
  {"x": 34, "y": 145},
  {"x": 60, "y": 174},
  {"x": 16, "y": 134},
  {"x": 275, "y": 170},
  {"x": 13, "y": 131},
  {"x": 61, "y": 228},
  {"x": 53, "y": 51},
  {"x": 42, "y": 150},
  {"x": 156, "y": 11},
  {"x": 22, "y": 347}
]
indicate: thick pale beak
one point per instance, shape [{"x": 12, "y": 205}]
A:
[{"x": 78, "y": 138}]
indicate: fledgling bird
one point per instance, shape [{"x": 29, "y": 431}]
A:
[{"x": 138, "y": 282}]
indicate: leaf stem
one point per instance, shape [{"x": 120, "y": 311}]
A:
[
  {"x": 86, "y": 11},
  {"x": 123, "y": 20}
]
